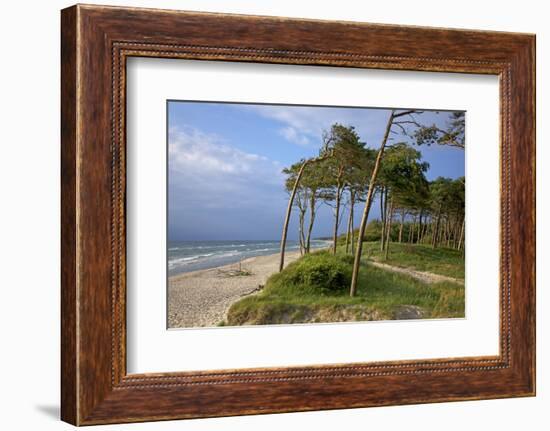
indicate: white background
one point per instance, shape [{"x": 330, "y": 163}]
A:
[
  {"x": 151, "y": 348},
  {"x": 29, "y": 219}
]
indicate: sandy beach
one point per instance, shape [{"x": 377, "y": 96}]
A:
[{"x": 202, "y": 298}]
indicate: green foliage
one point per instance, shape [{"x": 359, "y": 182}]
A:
[
  {"x": 403, "y": 174},
  {"x": 448, "y": 194},
  {"x": 453, "y": 135},
  {"x": 373, "y": 232},
  {"x": 349, "y": 164},
  {"x": 322, "y": 271}
]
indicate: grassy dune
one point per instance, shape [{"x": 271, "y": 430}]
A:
[{"x": 316, "y": 289}]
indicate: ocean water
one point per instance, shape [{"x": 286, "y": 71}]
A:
[{"x": 186, "y": 256}]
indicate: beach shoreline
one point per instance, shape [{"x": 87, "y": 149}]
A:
[
  {"x": 201, "y": 298},
  {"x": 191, "y": 256}
]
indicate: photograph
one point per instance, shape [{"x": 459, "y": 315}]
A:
[
  {"x": 332, "y": 209},
  {"x": 300, "y": 214}
]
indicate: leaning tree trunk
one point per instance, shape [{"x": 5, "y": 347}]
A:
[
  {"x": 352, "y": 238},
  {"x": 288, "y": 211},
  {"x": 362, "y": 226},
  {"x": 301, "y": 232},
  {"x": 388, "y": 234},
  {"x": 401, "y": 227},
  {"x": 349, "y": 234},
  {"x": 336, "y": 218},
  {"x": 383, "y": 215},
  {"x": 311, "y": 220},
  {"x": 291, "y": 201}
]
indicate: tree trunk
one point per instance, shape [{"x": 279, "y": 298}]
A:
[
  {"x": 401, "y": 226},
  {"x": 311, "y": 220},
  {"x": 436, "y": 228},
  {"x": 350, "y": 222},
  {"x": 388, "y": 234},
  {"x": 412, "y": 230},
  {"x": 288, "y": 211},
  {"x": 461, "y": 240},
  {"x": 351, "y": 217},
  {"x": 336, "y": 218},
  {"x": 383, "y": 215},
  {"x": 419, "y": 227},
  {"x": 456, "y": 233},
  {"x": 448, "y": 232},
  {"x": 302, "y": 216},
  {"x": 365, "y": 216},
  {"x": 425, "y": 229}
]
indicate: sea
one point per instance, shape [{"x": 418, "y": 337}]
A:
[{"x": 186, "y": 256}]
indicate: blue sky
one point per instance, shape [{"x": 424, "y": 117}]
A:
[{"x": 225, "y": 162}]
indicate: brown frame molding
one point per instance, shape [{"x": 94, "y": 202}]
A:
[{"x": 95, "y": 43}]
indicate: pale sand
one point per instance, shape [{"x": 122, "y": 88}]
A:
[{"x": 202, "y": 298}]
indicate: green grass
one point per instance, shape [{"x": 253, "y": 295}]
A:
[
  {"x": 421, "y": 257},
  {"x": 299, "y": 295}
]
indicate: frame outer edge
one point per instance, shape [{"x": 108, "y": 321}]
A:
[
  {"x": 533, "y": 54},
  {"x": 523, "y": 216},
  {"x": 532, "y": 79},
  {"x": 87, "y": 397},
  {"x": 69, "y": 201}
]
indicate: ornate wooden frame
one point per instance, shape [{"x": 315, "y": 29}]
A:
[{"x": 96, "y": 41}]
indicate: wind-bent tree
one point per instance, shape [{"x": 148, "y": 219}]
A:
[
  {"x": 388, "y": 230},
  {"x": 347, "y": 151},
  {"x": 314, "y": 181},
  {"x": 357, "y": 181},
  {"x": 324, "y": 154},
  {"x": 310, "y": 191},
  {"x": 453, "y": 135},
  {"x": 447, "y": 205},
  {"x": 383, "y": 211},
  {"x": 403, "y": 176},
  {"x": 301, "y": 198},
  {"x": 395, "y": 119}
]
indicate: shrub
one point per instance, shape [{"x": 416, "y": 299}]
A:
[
  {"x": 347, "y": 258},
  {"x": 373, "y": 231},
  {"x": 321, "y": 271}
]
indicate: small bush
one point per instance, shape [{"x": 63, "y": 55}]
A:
[
  {"x": 347, "y": 258},
  {"x": 322, "y": 271}
]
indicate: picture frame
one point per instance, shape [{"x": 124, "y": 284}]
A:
[{"x": 96, "y": 41}]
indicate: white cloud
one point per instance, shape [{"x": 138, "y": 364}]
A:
[
  {"x": 304, "y": 125},
  {"x": 207, "y": 171},
  {"x": 192, "y": 150},
  {"x": 292, "y": 135}
]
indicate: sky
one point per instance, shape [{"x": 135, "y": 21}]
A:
[{"x": 225, "y": 164}]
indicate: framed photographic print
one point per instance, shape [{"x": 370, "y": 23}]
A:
[{"x": 322, "y": 214}]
